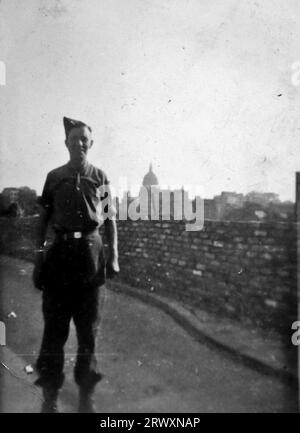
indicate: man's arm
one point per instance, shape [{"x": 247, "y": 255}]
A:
[
  {"x": 42, "y": 228},
  {"x": 110, "y": 230},
  {"x": 112, "y": 264},
  {"x": 40, "y": 242}
]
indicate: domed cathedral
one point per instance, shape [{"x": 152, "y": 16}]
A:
[
  {"x": 149, "y": 195},
  {"x": 150, "y": 179}
]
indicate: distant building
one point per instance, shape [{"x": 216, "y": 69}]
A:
[
  {"x": 150, "y": 179},
  {"x": 231, "y": 198},
  {"x": 229, "y": 205},
  {"x": 27, "y": 199},
  {"x": 210, "y": 209},
  {"x": 262, "y": 198},
  {"x": 150, "y": 193},
  {"x": 252, "y": 211},
  {"x": 24, "y": 198},
  {"x": 225, "y": 200},
  {"x": 161, "y": 203},
  {"x": 10, "y": 195}
]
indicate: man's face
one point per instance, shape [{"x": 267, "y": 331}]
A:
[{"x": 79, "y": 142}]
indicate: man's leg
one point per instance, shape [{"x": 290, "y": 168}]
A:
[
  {"x": 51, "y": 358},
  {"x": 87, "y": 375}
]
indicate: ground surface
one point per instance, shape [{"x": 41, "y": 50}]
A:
[{"x": 149, "y": 362}]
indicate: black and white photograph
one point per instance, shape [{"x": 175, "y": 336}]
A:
[{"x": 149, "y": 209}]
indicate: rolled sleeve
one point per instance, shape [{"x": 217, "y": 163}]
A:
[{"x": 46, "y": 199}]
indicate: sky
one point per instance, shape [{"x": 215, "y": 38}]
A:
[{"x": 203, "y": 89}]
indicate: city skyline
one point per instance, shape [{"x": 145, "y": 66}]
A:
[{"x": 134, "y": 193}]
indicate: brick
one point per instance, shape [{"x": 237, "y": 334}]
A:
[
  {"x": 202, "y": 248},
  {"x": 271, "y": 303},
  {"x": 204, "y": 235},
  {"x": 196, "y": 240},
  {"x": 283, "y": 273},
  {"x": 267, "y": 256},
  {"x": 241, "y": 246},
  {"x": 260, "y": 233},
  {"x": 252, "y": 241},
  {"x": 266, "y": 271},
  {"x": 238, "y": 239},
  {"x": 198, "y": 273},
  {"x": 218, "y": 244},
  {"x": 233, "y": 259},
  {"x": 257, "y": 248}
]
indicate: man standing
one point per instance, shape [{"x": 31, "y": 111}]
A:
[{"x": 72, "y": 270}]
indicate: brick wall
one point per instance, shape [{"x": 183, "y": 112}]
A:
[{"x": 243, "y": 270}]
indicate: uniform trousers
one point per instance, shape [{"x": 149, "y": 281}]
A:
[{"x": 73, "y": 271}]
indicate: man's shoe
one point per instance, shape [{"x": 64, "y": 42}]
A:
[
  {"x": 48, "y": 407},
  {"x": 86, "y": 402},
  {"x": 50, "y": 401}
]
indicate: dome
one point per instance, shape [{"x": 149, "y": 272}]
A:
[{"x": 150, "y": 178}]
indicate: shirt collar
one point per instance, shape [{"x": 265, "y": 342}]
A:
[{"x": 83, "y": 169}]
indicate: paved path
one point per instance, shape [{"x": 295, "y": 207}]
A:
[{"x": 150, "y": 363}]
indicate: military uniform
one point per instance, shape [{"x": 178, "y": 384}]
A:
[{"x": 72, "y": 273}]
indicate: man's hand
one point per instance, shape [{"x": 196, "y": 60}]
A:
[
  {"x": 112, "y": 266},
  {"x": 37, "y": 270}
]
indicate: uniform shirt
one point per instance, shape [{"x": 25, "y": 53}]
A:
[{"x": 74, "y": 197}]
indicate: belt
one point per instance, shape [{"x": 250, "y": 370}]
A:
[{"x": 74, "y": 235}]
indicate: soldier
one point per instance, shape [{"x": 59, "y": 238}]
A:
[{"x": 74, "y": 267}]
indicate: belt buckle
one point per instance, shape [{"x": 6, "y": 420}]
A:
[{"x": 77, "y": 235}]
